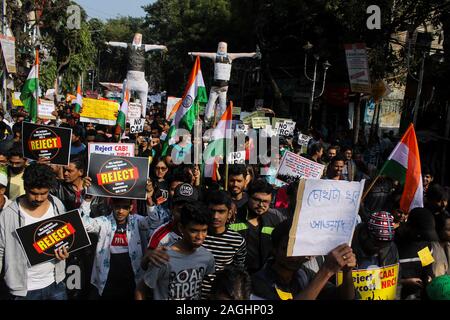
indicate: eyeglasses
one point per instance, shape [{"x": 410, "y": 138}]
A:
[
  {"x": 264, "y": 202},
  {"x": 161, "y": 168}
]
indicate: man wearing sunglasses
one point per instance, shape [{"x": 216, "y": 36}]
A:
[{"x": 259, "y": 224}]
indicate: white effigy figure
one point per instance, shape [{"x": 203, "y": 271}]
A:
[
  {"x": 136, "y": 66},
  {"x": 222, "y": 72}
]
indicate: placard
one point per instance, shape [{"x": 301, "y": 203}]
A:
[
  {"x": 41, "y": 141},
  {"x": 222, "y": 71},
  {"x": 260, "y": 122},
  {"x": 113, "y": 149},
  {"x": 39, "y": 240},
  {"x": 45, "y": 109},
  {"x": 99, "y": 111},
  {"x": 358, "y": 67},
  {"x": 374, "y": 284},
  {"x": 134, "y": 111},
  {"x": 237, "y": 157},
  {"x": 293, "y": 167},
  {"x": 324, "y": 216},
  {"x": 119, "y": 177},
  {"x": 303, "y": 139},
  {"x": 285, "y": 128},
  {"x": 137, "y": 125},
  {"x": 16, "y": 102},
  {"x": 236, "y": 111},
  {"x": 9, "y": 52}
]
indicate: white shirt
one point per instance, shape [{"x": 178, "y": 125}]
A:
[{"x": 41, "y": 275}]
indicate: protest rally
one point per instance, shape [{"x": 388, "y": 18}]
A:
[{"x": 224, "y": 150}]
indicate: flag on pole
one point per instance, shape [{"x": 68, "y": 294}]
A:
[
  {"x": 403, "y": 164},
  {"x": 185, "y": 111},
  {"x": 79, "y": 100},
  {"x": 123, "y": 111},
  {"x": 220, "y": 137},
  {"x": 30, "y": 91}
]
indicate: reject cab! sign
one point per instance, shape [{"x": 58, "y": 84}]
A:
[{"x": 115, "y": 149}]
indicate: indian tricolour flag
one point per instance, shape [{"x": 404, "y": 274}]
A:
[
  {"x": 79, "y": 100},
  {"x": 403, "y": 165},
  {"x": 185, "y": 111},
  {"x": 30, "y": 91},
  {"x": 123, "y": 111},
  {"x": 220, "y": 137}
]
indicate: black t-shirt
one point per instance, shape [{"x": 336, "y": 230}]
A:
[{"x": 241, "y": 205}]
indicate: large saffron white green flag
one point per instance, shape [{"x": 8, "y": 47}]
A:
[
  {"x": 30, "y": 91},
  {"x": 185, "y": 111}
]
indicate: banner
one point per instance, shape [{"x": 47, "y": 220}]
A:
[
  {"x": 137, "y": 125},
  {"x": 39, "y": 240},
  {"x": 375, "y": 284},
  {"x": 358, "y": 67},
  {"x": 119, "y": 177},
  {"x": 99, "y": 111},
  {"x": 113, "y": 149},
  {"x": 45, "y": 109},
  {"x": 134, "y": 111},
  {"x": 260, "y": 122},
  {"x": 41, "y": 141},
  {"x": 324, "y": 216},
  {"x": 237, "y": 157},
  {"x": 9, "y": 52},
  {"x": 293, "y": 167}
]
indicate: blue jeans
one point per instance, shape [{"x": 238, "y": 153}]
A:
[{"x": 52, "y": 292}]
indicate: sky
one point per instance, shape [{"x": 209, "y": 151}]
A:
[{"x": 105, "y": 9}]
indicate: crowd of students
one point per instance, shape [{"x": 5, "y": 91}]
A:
[{"x": 196, "y": 238}]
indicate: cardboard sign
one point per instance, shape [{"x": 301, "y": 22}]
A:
[
  {"x": 324, "y": 216},
  {"x": 137, "y": 125},
  {"x": 119, "y": 177},
  {"x": 99, "y": 111},
  {"x": 293, "y": 167},
  {"x": 134, "y": 111},
  {"x": 285, "y": 128},
  {"x": 45, "y": 109},
  {"x": 260, "y": 122},
  {"x": 9, "y": 52},
  {"x": 113, "y": 149},
  {"x": 375, "y": 284},
  {"x": 237, "y": 157},
  {"x": 358, "y": 67},
  {"x": 39, "y": 240},
  {"x": 41, "y": 141}
]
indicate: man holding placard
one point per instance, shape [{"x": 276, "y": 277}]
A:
[{"x": 42, "y": 281}]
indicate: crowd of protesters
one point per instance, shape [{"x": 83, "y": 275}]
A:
[{"x": 197, "y": 238}]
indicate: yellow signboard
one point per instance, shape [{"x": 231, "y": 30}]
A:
[
  {"x": 16, "y": 102},
  {"x": 260, "y": 122},
  {"x": 99, "y": 109},
  {"x": 375, "y": 284}
]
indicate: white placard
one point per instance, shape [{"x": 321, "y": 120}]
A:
[
  {"x": 293, "y": 167},
  {"x": 171, "y": 102},
  {"x": 222, "y": 71},
  {"x": 134, "y": 111},
  {"x": 358, "y": 67},
  {"x": 45, "y": 109},
  {"x": 114, "y": 149},
  {"x": 303, "y": 139},
  {"x": 285, "y": 128},
  {"x": 324, "y": 217},
  {"x": 137, "y": 125},
  {"x": 242, "y": 129},
  {"x": 8, "y": 45},
  {"x": 237, "y": 157}
]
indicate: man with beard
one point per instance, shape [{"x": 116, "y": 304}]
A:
[
  {"x": 259, "y": 224},
  {"x": 236, "y": 185},
  {"x": 16, "y": 167},
  {"x": 43, "y": 281}
]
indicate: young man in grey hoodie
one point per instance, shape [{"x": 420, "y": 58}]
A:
[{"x": 43, "y": 281}]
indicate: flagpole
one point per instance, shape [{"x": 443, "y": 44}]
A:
[
  {"x": 226, "y": 174},
  {"x": 370, "y": 187},
  {"x": 36, "y": 58}
]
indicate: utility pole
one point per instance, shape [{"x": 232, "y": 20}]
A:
[
  {"x": 419, "y": 90},
  {"x": 5, "y": 90}
]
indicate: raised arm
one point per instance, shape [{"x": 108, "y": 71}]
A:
[
  {"x": 116, "y": 44},
  {"x": 242, "y": 55},
  {"x": 150, "y": 47},
  {"x": 210, "y": 55}
]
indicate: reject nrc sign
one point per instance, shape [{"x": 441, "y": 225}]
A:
[{"x": 137, "y": 125}]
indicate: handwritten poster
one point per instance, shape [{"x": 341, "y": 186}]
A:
[
  {"x": 375, "y": 284},
  {"x": 324, "y": 216},
  {"x": 99, "y": 111},
  {"x": 260, "y": 122},
  {"x": 293, "y": 167}
]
